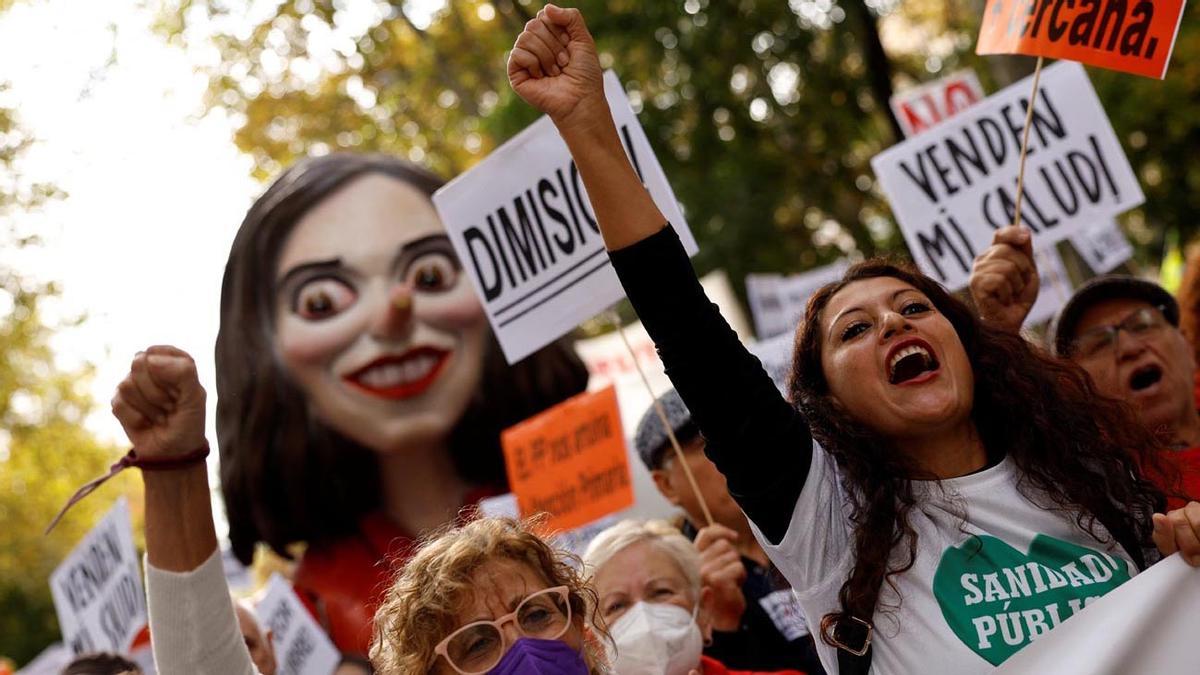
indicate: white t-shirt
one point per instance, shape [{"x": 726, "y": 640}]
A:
[{"x": 992, "y": 571}]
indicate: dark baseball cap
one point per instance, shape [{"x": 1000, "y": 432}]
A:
[
  {"x": 1107, "y": 287},
  {"x": 651, "y": 441}
]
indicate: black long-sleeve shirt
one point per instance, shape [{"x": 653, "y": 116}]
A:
[{"x": 754, "y": 436}]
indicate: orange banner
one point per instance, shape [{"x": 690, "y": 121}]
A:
[
  {"x": 1134, "y": 36},
  {"x": 570, "y": 461}
]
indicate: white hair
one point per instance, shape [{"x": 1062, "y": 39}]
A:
[{"x": 662, "y": 534}]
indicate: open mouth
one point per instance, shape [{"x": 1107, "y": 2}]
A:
[
  {"x": 1145, "y": 377},
  {"x": 910, "y": 361},
  {"x": 403, "y": 376}
]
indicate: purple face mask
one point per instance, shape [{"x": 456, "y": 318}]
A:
[{"x": 531, "y": 656}]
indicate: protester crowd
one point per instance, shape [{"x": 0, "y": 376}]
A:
[{"x": 361, "y": 397}]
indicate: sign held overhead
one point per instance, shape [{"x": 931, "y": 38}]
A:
[
  {"x": 778, "y": 301},
  {"x": 953, "y": 186},
  {"x": 97, "y": 590},
  {"x": 1055, "y": 287},
  {"x": 570, "y": 461},
  {"x": 301, "y": 645},
  {"x": 1134, "y": 36},
  {"x": 920, "y": 108},
  {"x": 1103, "y": 247},
  {"x": 525, "y": 231}
]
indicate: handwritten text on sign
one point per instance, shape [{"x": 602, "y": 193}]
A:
[
  {"x": 953, "y": 186},
  {"x": 301, "y": 646},
  {"x": 922, "y": 107},
  {"x": 97, "y": 590},
  {"x": 570, "y": 461},
  {"x": 525, "y": 231},
  {"x": 1134, "y": 36}
]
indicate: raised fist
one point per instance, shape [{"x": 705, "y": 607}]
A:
[
  {"x": 160, "y": 403},
  {"x": 554, "y": 67}
]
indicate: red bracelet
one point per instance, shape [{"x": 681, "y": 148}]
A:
[
  {"x": 162, "y": 463},
  {"x": 131, "y": 459}
]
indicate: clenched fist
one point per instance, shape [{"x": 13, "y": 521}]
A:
[
  {"x": 554, "y": 67},
  {"x": 1004, "y": 280},
  {"x": 160, "y": 403}
]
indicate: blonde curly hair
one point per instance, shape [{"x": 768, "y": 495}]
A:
[{"x": 421, "y": 607}]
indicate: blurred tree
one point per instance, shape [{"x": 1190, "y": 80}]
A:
[
  {"x": 764, "y": 113},
  {"x": 46, "y": 452},
  {"x": 1157, "y": 122}
]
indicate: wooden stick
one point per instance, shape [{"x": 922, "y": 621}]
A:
[
  {"x": 1037, "y": 76},
  {"x": 662, "y": 416}
]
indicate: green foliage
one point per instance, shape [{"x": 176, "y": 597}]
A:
[
  {"x": 45, "y": 450},
  {"x": 772, "y": 177}
]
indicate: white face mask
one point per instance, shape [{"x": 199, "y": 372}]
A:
[{"x": 656, "y": 638}]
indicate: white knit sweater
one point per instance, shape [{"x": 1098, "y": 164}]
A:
[{"x": 192, "y": 625}]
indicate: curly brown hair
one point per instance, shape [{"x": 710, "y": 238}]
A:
[
  {"x": 1077, "y": 452},
  {"x": 422, "y": 604}
]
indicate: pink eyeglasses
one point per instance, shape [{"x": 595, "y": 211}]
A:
[{"x": 477, "y": 647}]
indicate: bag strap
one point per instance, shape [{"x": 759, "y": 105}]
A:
[{"x": 854, "y": 657}]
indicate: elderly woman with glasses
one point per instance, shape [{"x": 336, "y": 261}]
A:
[{"x": 488, "y": 597}]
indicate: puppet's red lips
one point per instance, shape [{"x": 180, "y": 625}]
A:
[{"x": 403, "y": 376}]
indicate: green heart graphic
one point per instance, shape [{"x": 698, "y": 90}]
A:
[{"x": 997, "y": 599}]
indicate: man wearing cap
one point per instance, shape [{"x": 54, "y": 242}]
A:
[
  {"x": 1124, "y": 331},
  {"x": 757, "y": 624}
]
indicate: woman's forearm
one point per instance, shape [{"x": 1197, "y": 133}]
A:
[
  {"x": 754, "y": 436},
  {"x": 180, "y": 534},
  {"x": 623, "y": 206}
]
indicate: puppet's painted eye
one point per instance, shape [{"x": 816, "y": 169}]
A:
[
  {"x": 433, "y": 272},
  {"x": 322, "y": 298}
]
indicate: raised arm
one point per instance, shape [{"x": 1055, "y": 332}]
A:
[
  {"x": 160, "y": 404},
  {"x": 753, "y": 435}
]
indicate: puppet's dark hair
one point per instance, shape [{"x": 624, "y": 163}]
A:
[{"x": 287, "y": 477}]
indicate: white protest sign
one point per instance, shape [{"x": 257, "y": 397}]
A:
[
  {"x": 922, "y": 107},
  {"x": 97, "y": 590},
  {"x": 776, "y": 354},
  {"x": 525, "y": 231},
  {"x": 1103, "y": 246},
  {"x": 1054, "y": 289},
  {"x": 301, "y": 647},
  {"x": 953, "y": 186},
  {"x": 1148, "y": 625},
  {"x": 778, "y": 301}
]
